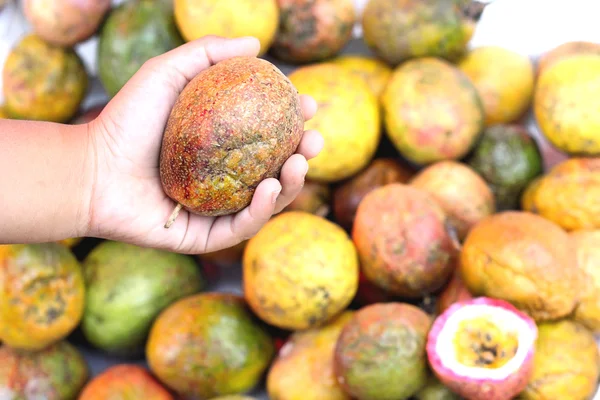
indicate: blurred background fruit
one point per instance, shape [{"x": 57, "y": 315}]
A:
[
  {"x": 65, "y": 22},
  {"x": 226, "y": 257},
  {"x": 57, "y": 372},
  {"x": 133, "y": 32},
  {"x": 42, "y": 81},
  {"x": 314, "y": 198},
  {"x": 348, "y": 117},
  {"x": 376, "y": 72},
  {"x": 423, "y": 87},
  {"x": 454, "y": 291},
  {"x": 587, "y": 248},
  {"x": 228, "y": 18},
  {"x": 566, "y": 50}
]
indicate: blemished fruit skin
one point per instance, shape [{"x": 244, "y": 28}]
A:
[
  {"x": 232, "y": 126},
  {"x": 508, "y": 158},
  {"x": 126, "y": 289},
  {"x": 65, "y": 22},
  {"x": 133, "y": 33},
  {"x": 403, "y": 241},
  {"x": 313, "y": 198},
  {"x": 565, "y": 364},
  {"x": 455, "y": 291},
  {"x": 43, "y": 82},
  {"x": 124, "y": 381},
  {"x": 568, "y": 194},
  {"x": 408, "y": 102},
  {"x": 524, "y": 259},
  {"x": 348, "y": 195},
  {"x": 228, "y": 18},
  {"x": 460, "y": 191},
  {"x": 504, "y": 80},
  {"x": 348, "y": 117},
  {"x": 42, "y": 295},
  {"x": 235, "y": 348},
  {"x": 398, "y": 30},
  {"x": 57, "y": 372},
  {"x": 503, "y": 386},
  {"x": 367, "y": 359},
  {"x": 566, "y": 50},
  {"x": 303, "y": 370},
  {"x": 299, "y": 271},
  {"x": 376, "y": 72},
  {"x": 565, "y": 104},
  {"x": 587, "y": 248},
  {"x": 312, "y": 30}
]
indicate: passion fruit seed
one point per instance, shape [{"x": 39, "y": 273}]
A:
[{"x": 481, "y": 343}]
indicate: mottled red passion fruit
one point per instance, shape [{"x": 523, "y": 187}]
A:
[
  {"x": 233, "y": 126},
  {"x": 483, "y": 349}
]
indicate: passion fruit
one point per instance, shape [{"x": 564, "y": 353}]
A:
[
  {"x": 587, "y": 248},
  {"x": 565, "y": 365},
  {"x": 460, "y": 191},
  {"x": 403, "y": 241},
  {"x": 299, "y": 271},
  {"x": 435, "y": 390},
  {"x": 566, "y": 50},
  {"x": 524, "y": 259},
  {"x": 483, "y": 349},
  {"x": 408, "y": 103},
  {"x": 455, "y": 291},
  {"x": 314, "y": 198},
  {"x": 368, "y": 361},
  {"x": 376, "y": 72}
]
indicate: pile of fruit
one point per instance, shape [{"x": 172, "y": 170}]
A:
[{"x": 432, "y": 253}]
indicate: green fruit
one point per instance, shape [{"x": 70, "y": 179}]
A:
[
  {"x": 435, "y": 390},
  {"x": 127, "y": 287},
  {"x": 133, "y": 33},
  {"x": 508, "y": 158}
]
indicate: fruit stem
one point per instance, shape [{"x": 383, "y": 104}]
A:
[
  {"x": 173, "y": 216},
  {"x": 474, "y": 10}
]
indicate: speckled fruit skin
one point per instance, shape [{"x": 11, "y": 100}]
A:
[
  {"x": 587, "y": 248},
  {"x": 133, "y": 33},
  {"x": 349, "y": 194},
  {"x": 504, "y": 80},
  {"x": 57, "y": 372},
  {"x": 508, "y": 158},
  {"x": 226, "y": 257},
  {"x": 376, "y": 72},
  {"x": 460, "y": 191},
  {"x": 397, "y": 30},
  {"x": 233, "y": 354},
  {"x": 565, "y": 363},
  {"x": 565, "y": 104},
  {"x": 303, "y": 369},
  {"x": 43, "y": 82},
  {"x": 42, "y": 294},
  {"x": 313, "y": 198},
  {"x": 228, "y": 18},
  {"x": 424, "y": 87},
  {"x": 232, "y": 126},
  {"x": 435, "y": 390},
  {"x": 88, "y": 115},
  {"x": 313, "y": 30},
  {"x": 403, "y": 243},
  {"x": 127, "y": 287},
  {"x": 524, "y": 259},
  {"x": 455, "y": 291},
  {"x": 125, "y": 381},
  {"x": 566, "y": 50},
  {"x": 568, "y": 194},
  {"x": 65, "y": 22},
  {"x": 472, "y": 388},
  {"x": 367, "y": 360},
  {"x": 348, "y": 117},
  {"x": 299, "y": 271}
]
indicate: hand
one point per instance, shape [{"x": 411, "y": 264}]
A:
[{"x": 128, "y": 203}]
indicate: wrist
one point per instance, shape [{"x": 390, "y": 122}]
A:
[{"x": 87, "y": 138}]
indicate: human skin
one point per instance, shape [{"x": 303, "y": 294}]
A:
[{"x": 101, "y": 179}]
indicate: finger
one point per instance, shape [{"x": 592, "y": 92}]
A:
[
  {"x": 308, "y": 105},
  {"x": 311, "y": 144},
  {"x": 292, "y": 178},
  {"x": 230, "y": 230}
]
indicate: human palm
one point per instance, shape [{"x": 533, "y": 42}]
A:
[{"x": 128, "y": 202}]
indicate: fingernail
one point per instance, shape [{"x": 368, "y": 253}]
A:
[{"x": 275, "y": 195}]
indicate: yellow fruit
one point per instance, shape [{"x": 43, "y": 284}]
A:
[
  {"x": 3, "y": 114},
  {"x": 374, "y": 71},
  {"x": 566, "y": 104},
  {"x": 71, "y": 242},
  {"x": 568, "y": 194},
  {"x": 504, "y": 80},
  {"x": 565, "y": 363},
  {"x": 565, "y": 50},
  {"x": 348, "y": 118},
  {"x": 587, "y": 248},
  {"x": 299, "y": 271},
  {"x": 228, "y": 18}
]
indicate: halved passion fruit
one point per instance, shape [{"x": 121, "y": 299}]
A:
[{"x": 483, "y": 349}]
